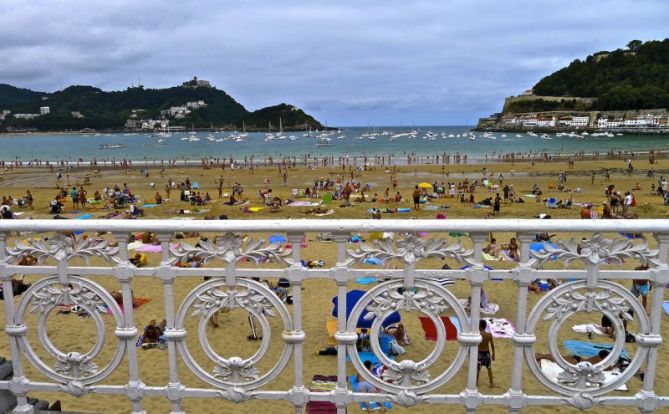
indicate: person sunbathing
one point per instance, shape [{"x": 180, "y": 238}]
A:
[
  {"x": 514, "y": 252},
  {"x": 153, "y": 335},
  {"x": 575, "y": 359},
  {"x": 493, "y": 249}
]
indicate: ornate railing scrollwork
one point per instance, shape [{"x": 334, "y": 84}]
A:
[
  {"x": 231, "y": 248},
  {"x": 234, "y": 373}
]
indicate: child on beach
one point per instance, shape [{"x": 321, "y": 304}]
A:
[{"x": 485, "y": 357}]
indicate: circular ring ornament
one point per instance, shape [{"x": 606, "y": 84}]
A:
[
  {"x": 608, "y": 298},
  {"x": 211, "y": 297},
  {"x": 426, "y": 297},
  {"x": 46, "y": 295}
]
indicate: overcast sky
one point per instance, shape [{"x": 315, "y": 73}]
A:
[{"x": 347, "y": 62}]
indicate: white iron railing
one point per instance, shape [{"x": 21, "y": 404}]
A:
[{"x": 593, "y": 287}]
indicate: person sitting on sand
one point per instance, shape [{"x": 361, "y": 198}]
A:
[
  {"x": 492, "y": 249},
  {"x": 514, "y": 252},
  {"x": 153, "y": 335},
  {"x": 366, "y": 387}
]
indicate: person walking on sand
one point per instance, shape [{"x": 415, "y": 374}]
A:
[
  {"x": 416, "y": 198},
  {"x": 485, "y": 357}
]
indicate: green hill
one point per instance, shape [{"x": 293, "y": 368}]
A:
[
  {"x": 634, "y": 78},
  {"x": 100, "y": 109},
  {"x": 291, "y": 118}
]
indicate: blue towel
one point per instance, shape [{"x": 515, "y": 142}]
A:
[
  {"x": 368, "y": 356},
  {"x": 404, "y": 210},
  {"x": 82, "y": 217},
  {"x": 196, "y": 185},
  {"x": 665, "y": 306},
  {"x": 366, "y": 280},
  {"x": 150, "y": 205},
  {"x": 588, "y": 349},
  {"x": 373, "y": 261},
  {"x": 456, "y": 322},
  {"x": 277, "y": 238}
]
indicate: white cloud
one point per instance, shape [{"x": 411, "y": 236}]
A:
[{"x": 345, "y": 61}]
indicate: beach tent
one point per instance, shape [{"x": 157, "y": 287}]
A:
[
  {"x": 425, "y": 185},
  {"x": 352, "y": 298}
]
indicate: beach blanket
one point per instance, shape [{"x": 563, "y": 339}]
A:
[
  {"x": 366, "y": 280},
  {"x": 150, "y": 205},
  {"x": 150, "y": 248},
  {"x": 435, "y": 208},
  {"x": 665, "y": 306},
  {"x": 553, "y": 370},
  {"x": 500, "y": 328},
  {"x": 327, "y": 213},
  {"x": 304, "y": 204},
  {"x": 489, "y": 309},
  {"x": 588, "y": 349},
  {"x": 588, "y": 328}
]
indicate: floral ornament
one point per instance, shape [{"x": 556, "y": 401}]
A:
[
  {"x": 230, "y": 249},
  {"x": 76, "y": 388},
  {"x": 235, "y": 367},
  {"x": 246, "y": 298},
  {"x": 582, "y": 376},
  {"x": 598, "y": 250},
  {"x": 573, "y": 301},
  {"x": 62, "y": 248},
  {"x": 407, "y": 398},
  {"x": 74, "y": 293},
  {"x": 418, "y": 299},
  {"x": 583, "y": 401},
  {"x": 75, "y": 365},
  {"x": 410, "y": 249},
  {"x": 406, "y": 373},
  {"x": 236, "y": 394}
]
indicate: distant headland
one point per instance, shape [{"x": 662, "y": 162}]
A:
[
  {"x": 626, "y": 90},
  {"x": 195, "y": 104}
]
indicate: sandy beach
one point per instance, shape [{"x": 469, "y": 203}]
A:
[{"x": 74, "y": 333}]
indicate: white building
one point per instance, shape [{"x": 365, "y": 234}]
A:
[
  {"x": 26, "y": 116},
  {"x": 76, "y": 114},
  {"x": 546, "y": 122},
  {"x": 44, "y": 110},
  {"x": 580, "y": 121}
]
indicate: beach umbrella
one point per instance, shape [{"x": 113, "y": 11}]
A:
[
  {"x": 425, "y": 185},
  {"x": 352, "y": 297}
]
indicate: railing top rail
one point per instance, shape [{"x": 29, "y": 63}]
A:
[{"x": 343, "y": 225}]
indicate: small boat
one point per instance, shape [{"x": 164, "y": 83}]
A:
[
  {"x": 324, "y": 142},
  {"x": 111, "y": 146}
]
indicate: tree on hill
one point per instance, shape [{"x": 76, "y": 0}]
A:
[{"x": 619, "y": 79}]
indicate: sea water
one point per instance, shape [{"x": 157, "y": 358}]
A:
[{"x": 146, "y": 146}]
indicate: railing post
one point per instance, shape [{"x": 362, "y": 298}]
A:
[
  {"x": 477, "y": 275},
  {"x": 172, "y": 332},
  {"x": 296, "y": 275},
  {"x": 18, "y": 383},
  {"x": 342, "y": 336},
  {"x": 124, "y": 274},
  {"x": 523, "y": 279},
  {"x": 661, "y": 279}
]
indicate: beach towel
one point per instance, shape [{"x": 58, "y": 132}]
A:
[
  {"x": 488, "y": 256},
  {"x": 488, "y": 309},
  {"x": 553, "y": 370},
  {"x": 431, "y": 331},
  {"x": 304, "y": 204},
  {"x": 151, "y": 248},
  {"x": 327, "y": 213},
  {"x": 588, "y": 349},
  {"x": 665, "y": 306},
  {"x": 256, "y": 209},
  {"x": 588, "y": 328},
  {"x": 366, "y": 280},
  {"x": 277, "y": 238},
  {"x": 81, "y": 217},
  {"x": 150, "y": 205},
  {"x": 404, "y": 210},
  {"x": 373, "y": 261},
  {"x": 368, "y": 356},
  {"x": 500, "y": 328},
  {"x": 435, "y": 208},
  {"x": 196, "y": 185}
]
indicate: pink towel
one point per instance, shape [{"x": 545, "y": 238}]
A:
[{"x": 150, "y": 248}]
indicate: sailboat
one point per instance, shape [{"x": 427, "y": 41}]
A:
[
  {"x": 269, "y": 136},
  {"x": 280, "y": 134}
]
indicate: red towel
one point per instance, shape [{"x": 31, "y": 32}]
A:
[{"x": 431, "y": 330}]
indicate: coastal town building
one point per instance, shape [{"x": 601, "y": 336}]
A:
[
  {"x": 196, "y": 83},
  {"x": 26, "y": 116},
  {"x": 77, "y": 114},
  {"x": 44, "y": 110},
  {"x": 4, "y": 114}
]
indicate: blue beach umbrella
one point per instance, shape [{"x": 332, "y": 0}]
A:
[{"x": 352, "y": 297}]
